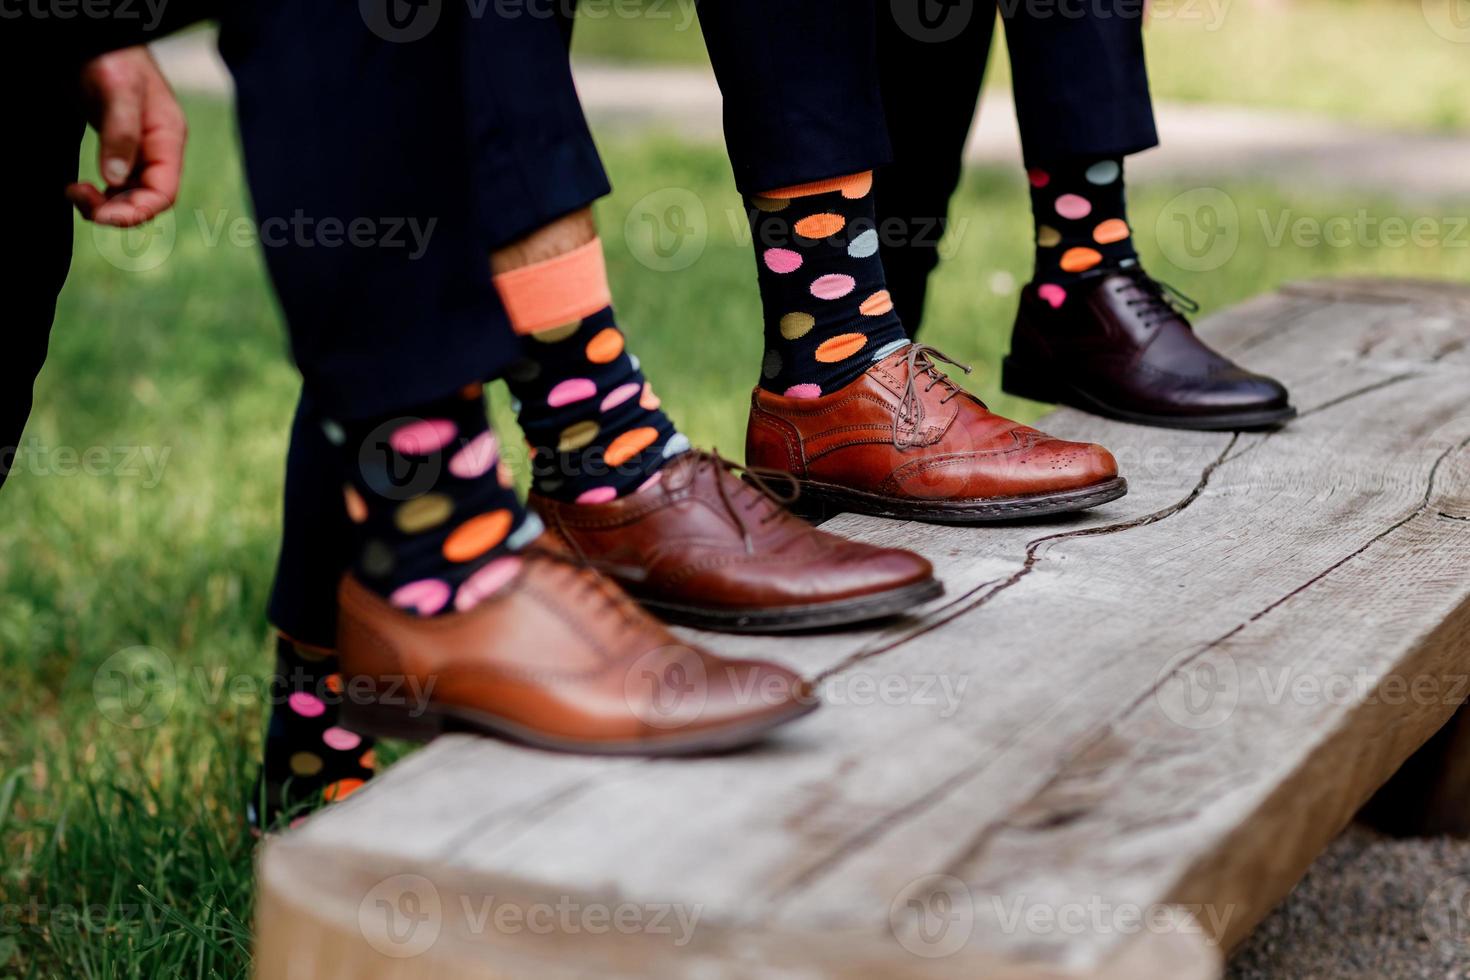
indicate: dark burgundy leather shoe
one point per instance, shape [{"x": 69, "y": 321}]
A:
[
  {"x": 1118, "y": 345},
  {"x": 703, "y": 547},
  {"x": 905, "y": 441}
]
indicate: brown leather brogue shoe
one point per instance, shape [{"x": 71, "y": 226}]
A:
[
  {"x": 1119, "y": 346},
  {"x": 560, "y": 659},
  {"x": 905, "y": 441},
  {"x": 702, "y": 546}
]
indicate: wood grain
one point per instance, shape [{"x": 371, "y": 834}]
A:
[{"x": 1118, "y": 740}]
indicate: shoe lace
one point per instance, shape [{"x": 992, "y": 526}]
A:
[
  {"x": 1156, "y": 301},
  {"x": 582, "y": 586},
  {"x": 752, "y": 489},
  {"x": 922, "y": 368}
]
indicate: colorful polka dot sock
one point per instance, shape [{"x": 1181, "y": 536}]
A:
[
  {"x": 1081, "y": 223},
  {"x": 309, "y": 759},
  {"x": 435, "y": 508},
  {"x": 593, "y": 421},
  {"x": 828, "y": 315}
]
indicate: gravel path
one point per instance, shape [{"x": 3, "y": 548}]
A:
[{"x": 1200, "y": 142}]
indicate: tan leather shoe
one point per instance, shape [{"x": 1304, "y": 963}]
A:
[
  {"x": 560, "y": 659},
  {"x": 905, "y": 441},
  {"x": 702, "y": 546}
]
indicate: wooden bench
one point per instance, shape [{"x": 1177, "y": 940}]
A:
[{"x": 1114, "y": 746}]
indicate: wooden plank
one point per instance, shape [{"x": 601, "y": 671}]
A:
[{"x": 1023, "y": 761}]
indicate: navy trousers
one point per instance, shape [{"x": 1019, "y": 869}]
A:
[
  {"x": 822, "y": 88},
  {"x": 467, "y": 126}
]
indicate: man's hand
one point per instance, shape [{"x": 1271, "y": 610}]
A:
[{"x": 141, "y": 133}]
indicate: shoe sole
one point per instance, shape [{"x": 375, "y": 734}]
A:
[
  {"x": 1021, "y": 382},
  {"x": 382, "y": 722},
  {"x": 819, "y": 501},
  {"x": 792, "y": 619}
]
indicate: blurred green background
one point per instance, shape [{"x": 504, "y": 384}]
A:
[{"x": 124, "y": 853}]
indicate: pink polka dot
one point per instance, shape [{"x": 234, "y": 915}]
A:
[
  {"x": 476, "y": 458},
  {"x": 486, "y": 582},
  {"x": 1053, "y": 294},
  {"x": 597, "y": 495},
  {"x": 652, "y": 481},
  {"x": 341, "y": 739},
  {"x": 1038, "y": 177},
  {"x": 834, "y": 286},
  {"x": 1073, "y": 206},
  {"x": 426, "y": 596},
  {"x": 423, "y": 437},
  {"x": 571, "y": 390},
  {"x": 619, "y": 395},
  {"x": 804, "y": 391},
  {"x": 306, "y": 705},
  {"x": 782, "y": 260}
]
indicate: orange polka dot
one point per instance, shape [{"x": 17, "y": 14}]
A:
[
  {"x": 333, "y": 682},
  {"x": 770, "y": 204},
  {"x": 478, "y": 535},
  {"x": 472, "y": 391},
  {"x": 1080, "y": 259},
  {"x": 877, "y": 304},
  {"x": 648, "y": 400},
  {"x": 606, "y": 346},
  {"x": 357, "y": 510},
  {"x": 628, "y": 445},
  {"x": 820, "y": 225},
  {"x": 1112, "y": 230},
  {"x": 341, "y": 789},
  {"x": 505, "y": 474},
  {"x": 841, "y": 347},
  {"x": 369, "y": 759},
  {"x": 858, "y": 186}
]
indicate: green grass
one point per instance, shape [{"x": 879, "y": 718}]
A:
[
  {"x": 138, "y": 826},
  {"x": 1375, "y": 61}
]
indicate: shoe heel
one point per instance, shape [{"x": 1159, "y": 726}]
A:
[
  {"x": 411, "y": 721},
  {"x": 1016, "y": 379},
  {"x": 814, "y": 508}
]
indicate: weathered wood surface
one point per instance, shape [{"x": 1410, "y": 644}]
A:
[{"x": 1164, "y": 708}]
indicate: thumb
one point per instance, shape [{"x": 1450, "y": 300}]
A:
[{"x": 120, "y": 132}]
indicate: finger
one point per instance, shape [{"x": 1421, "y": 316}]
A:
[
  {"x": 162, "y": 154},
  {"x": 131, "y": 208},
  {"x": 120, "y": 132},
  {"x": 86, "y": 198}
]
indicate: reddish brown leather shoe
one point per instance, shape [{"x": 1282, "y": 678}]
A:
[
  {"x": 560, "y": 659},
  {"x": 702, "y": 546},
  {"x": 905, "y": 441}
]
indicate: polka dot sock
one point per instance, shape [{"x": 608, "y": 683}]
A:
[
  {"x": 437, "y": 517},
  {"x": 593, "y": 421},
  {"x": 1081, "y": 222},
  {"x": 828, "y": 315},
  {"x": 309, "y": 759}
]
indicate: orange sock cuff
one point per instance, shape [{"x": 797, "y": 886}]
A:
[
  {"x": 852, "y": 186},
  {"x": 556, "y": 292}
]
